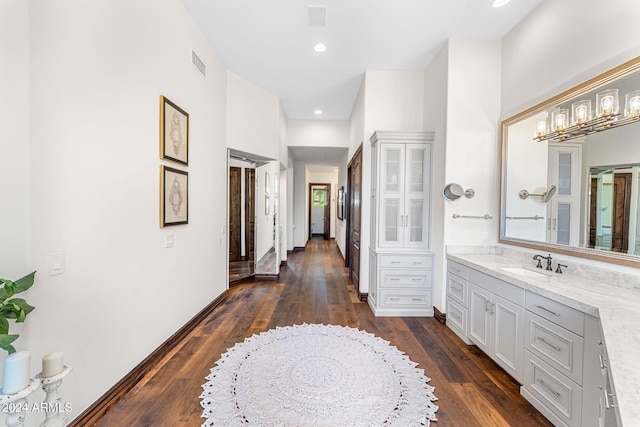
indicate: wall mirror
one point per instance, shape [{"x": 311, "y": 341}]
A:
[{"x": 576, "y": 158}]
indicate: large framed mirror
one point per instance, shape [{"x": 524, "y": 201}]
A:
[{"x": 570, "y": 170}]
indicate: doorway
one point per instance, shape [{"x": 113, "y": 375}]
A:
[
  {"x": 320, "y": 210},
  {"x": 251, "y": 240},
  {"x": 610, "y": 209}
]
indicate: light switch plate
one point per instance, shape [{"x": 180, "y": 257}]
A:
[
  {"x": 55, "y": 262},
  {"x": 168, "y": 241}
]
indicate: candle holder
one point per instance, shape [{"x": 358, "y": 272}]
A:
[
  {"x": 17, "y": 404},
  {"x": 53, "y": 401}
]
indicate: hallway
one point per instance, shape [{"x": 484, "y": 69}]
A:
[{"x": 314, "y": 288}]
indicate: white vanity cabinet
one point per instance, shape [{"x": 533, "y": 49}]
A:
[
  {"x": 599, "y": 400},
  {"x": 557, "y": 353},
  {"x": 496, "y": 320},
  {"x": 400, "y": 263},
  {"x": 566, "y": 373},
  {"x": 458, "y": 300}
]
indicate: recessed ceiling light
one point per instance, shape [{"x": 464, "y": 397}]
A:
[
  {"x": 318, "y": 112},
  {"x": 320, "y": 48},
  {"x": 500, "y": 3}
]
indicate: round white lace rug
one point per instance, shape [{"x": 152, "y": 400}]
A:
[{"x": 316, "y": 375}]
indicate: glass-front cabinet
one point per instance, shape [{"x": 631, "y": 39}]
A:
[
  {"x": 401, "y": 265},
  {"x": 404, "y": 183}
]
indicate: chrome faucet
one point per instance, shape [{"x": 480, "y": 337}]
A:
[{"x": 539, "y": 258}]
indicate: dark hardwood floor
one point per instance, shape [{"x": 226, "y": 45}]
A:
[{"x": 314, "y": 288}]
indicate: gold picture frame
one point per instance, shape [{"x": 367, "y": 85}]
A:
[
  {"x": 174, "y": 132},
  {"x": 174, "y": 196}
]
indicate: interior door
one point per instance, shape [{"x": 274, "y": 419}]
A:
[
  {"x": 354, "y": 191},
  {"x": 234, "y": 212},
  {"x": 621, "y": 212}
]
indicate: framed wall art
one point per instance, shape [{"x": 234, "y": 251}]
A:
[
  {"x": 174, "y": 196},
  {"x": 174, "y": 132},
  {"x": 340, "y": 207}
]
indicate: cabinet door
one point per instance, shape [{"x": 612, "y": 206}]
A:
[
  {"x": 563, "y": 210},
  {"x": 416, "y": 193},
  {"x": 390, "y": 195},
  {"x": 508, "y": 339},
  {"x": 480, "y": 317}
]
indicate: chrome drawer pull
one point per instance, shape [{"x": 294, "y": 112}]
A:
[
  {"x": 417, "y": 262},
  {"x": 548, "y": 388},
  {"x": 394, "y": 299},
  {"x": 395, "y": 262},
  {"x": 416, "y": 299},
  {"x": 547, "y": 310},
  {"x": 394, "y": 280},
  {"x": 457, "y": 270},
  {"x": 457, "y": 289},
  {"x": 416, "y": 280},
  {"x": 549, "y": 344},
  {"x": 606, "y": 400},
  {"x": 602, "y": 359}
]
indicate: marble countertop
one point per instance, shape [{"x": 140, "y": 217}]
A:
[{"x": 617, "y": 306}]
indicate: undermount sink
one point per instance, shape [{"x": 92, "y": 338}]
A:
[{"x": 521, "y": 271}]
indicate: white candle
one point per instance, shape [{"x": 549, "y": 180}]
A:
[
  {"x": 16, "y": 374},
  {"x": 52, "y": 364}
]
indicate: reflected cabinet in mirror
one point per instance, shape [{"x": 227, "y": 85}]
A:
[{"x": 571, "y": 171}]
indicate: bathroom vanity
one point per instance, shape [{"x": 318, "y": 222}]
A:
[{"x": 568, "y": 339}]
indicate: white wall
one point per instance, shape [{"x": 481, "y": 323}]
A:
[
  {"x": 317, "y": 133},
  {"x": 96, "y": 73},
  {"x": 435, "y": 119},
  {"x": 299, "y": 204},
  {"x": 253, "y": 118},
  {"x": 264, "y": 220},
  {"x": 14, "y": 142},
  {"x": 472, "y": 158},
  {"x": 290, "y": 205},
  {"x": 591, "y": 37}
]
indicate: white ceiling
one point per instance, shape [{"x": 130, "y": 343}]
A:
[{"x": 270, "y": 42}]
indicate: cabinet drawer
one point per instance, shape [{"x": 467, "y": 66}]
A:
[
  {"x": 557, "y": 346},
  {"x": 459, "y": 270},
  {"x": 506, "y": 290},
  {"x": 405, "y": 298},
  {"x": 457, "y": 316},
  {"x": 457, "y": 290},
  {"x": 559, "y": 394},
  {"x": 556, "y": 312},
  {"x": 406, "y": 279},
  {"x": 406, "y": 261}
]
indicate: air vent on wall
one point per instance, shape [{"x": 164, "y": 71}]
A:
[
  {"x": 197, "y": 62},
  {"x": 317, "y": 16}
]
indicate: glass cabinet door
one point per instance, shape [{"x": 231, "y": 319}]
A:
[
  {"x": 416, "y": 209},
  {"x": 390, "y": 192}
]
